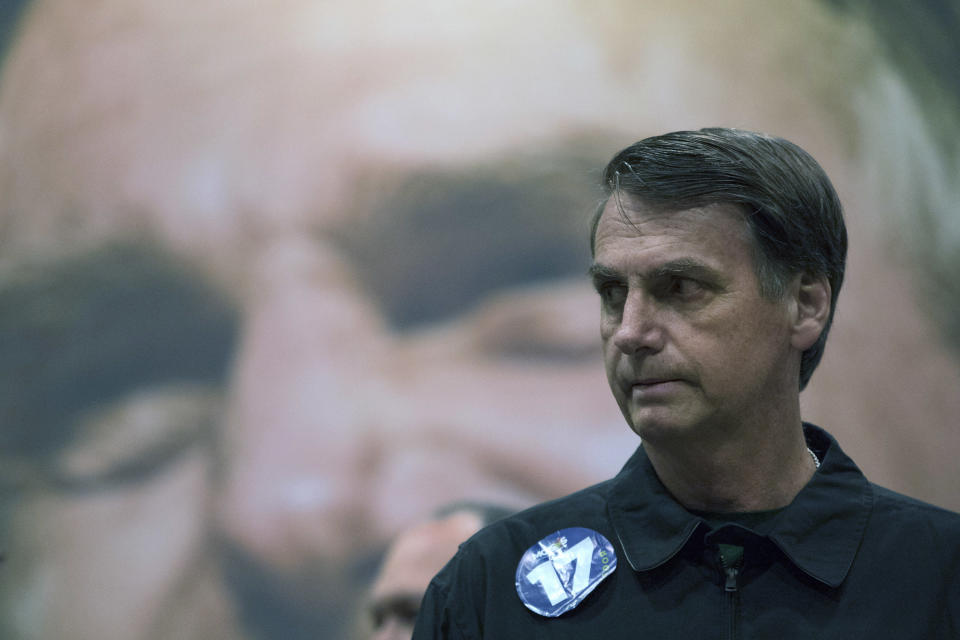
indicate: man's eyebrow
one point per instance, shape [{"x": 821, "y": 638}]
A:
[
  {"x": 687, "y": 267},
  {"x": 603, "y": 273},
  {"x": 501, "y": 225},
  {"x": 92, "y": 328}
]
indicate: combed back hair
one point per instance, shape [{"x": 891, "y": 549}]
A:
[{"x": 789, "y": 204}]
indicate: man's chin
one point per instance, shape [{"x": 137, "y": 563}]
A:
[{"x": 660, "y": 424}]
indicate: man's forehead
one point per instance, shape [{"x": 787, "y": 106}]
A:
[
  {"x": 626, "y": 216},
  {"x": 650, "y": 242}
]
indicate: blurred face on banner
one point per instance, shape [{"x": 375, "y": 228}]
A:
[{"x": 285, "y": 278}]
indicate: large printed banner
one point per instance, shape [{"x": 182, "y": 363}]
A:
[{"x": 280, "y": 278}]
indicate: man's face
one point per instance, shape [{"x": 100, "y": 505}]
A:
[
  {"x": 412, "y": 561},
  {"x": 688, "y": 340}
]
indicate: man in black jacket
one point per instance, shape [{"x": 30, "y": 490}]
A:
[{"x": 718, "y": 257}]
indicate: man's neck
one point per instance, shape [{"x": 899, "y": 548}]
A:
[{"x": 761, "y": 469}]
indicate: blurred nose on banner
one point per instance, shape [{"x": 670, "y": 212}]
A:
[{"x": 312, "y": 362}]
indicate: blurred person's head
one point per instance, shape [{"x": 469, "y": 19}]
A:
[
  {"x": 375, "y": 229},
  {"x": 411, "y": 561}
]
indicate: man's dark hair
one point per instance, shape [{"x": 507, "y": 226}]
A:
[{"x": 790, "y": 206}]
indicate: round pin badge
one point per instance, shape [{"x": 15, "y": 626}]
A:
[{"x": 558, "y": 572}]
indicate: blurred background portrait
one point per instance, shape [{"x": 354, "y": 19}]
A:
[{"x": 279, "y": 278}]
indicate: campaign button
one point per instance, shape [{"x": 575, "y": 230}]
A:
[{"x": 559, "y": 571}]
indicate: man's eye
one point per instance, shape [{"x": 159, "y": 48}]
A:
[
  {"x": 686, "y": 286},
  {"x": 613, "y": 295},
  {"x": 683, "y": 288}
]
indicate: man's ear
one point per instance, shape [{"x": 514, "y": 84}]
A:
[{"x": 811, "y": 309}]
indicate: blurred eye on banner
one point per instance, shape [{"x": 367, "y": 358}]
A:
[{"x": 127, "y": 441}]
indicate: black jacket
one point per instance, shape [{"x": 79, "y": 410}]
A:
[{"x": 846, "y": 559}]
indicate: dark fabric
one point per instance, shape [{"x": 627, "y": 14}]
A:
[
  {"x": 846, "y": 559},
  {"x": 758, "y": 521}
]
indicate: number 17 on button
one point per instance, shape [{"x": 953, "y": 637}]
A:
[{"x": 559, "y": 571}]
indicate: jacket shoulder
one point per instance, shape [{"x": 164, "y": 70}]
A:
[
  {"x": 920, "y": 522},
  {"x": 893, "y": 503},
  {"x": 584, "y": 508}
]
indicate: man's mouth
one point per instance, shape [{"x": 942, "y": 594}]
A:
[
  {"x": 652, "y": 381},
  {"x": 649, "y": 387},
  {"x": 649, "y": 382}
]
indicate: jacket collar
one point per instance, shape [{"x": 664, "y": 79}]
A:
[{"x": 819, "y": 532}]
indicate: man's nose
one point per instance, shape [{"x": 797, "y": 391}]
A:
[
  {"x": 641, "y": 327},
  {"x": 296, "y": 438}
]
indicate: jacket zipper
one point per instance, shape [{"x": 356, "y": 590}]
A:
[{"x": 731, "y": 589}]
